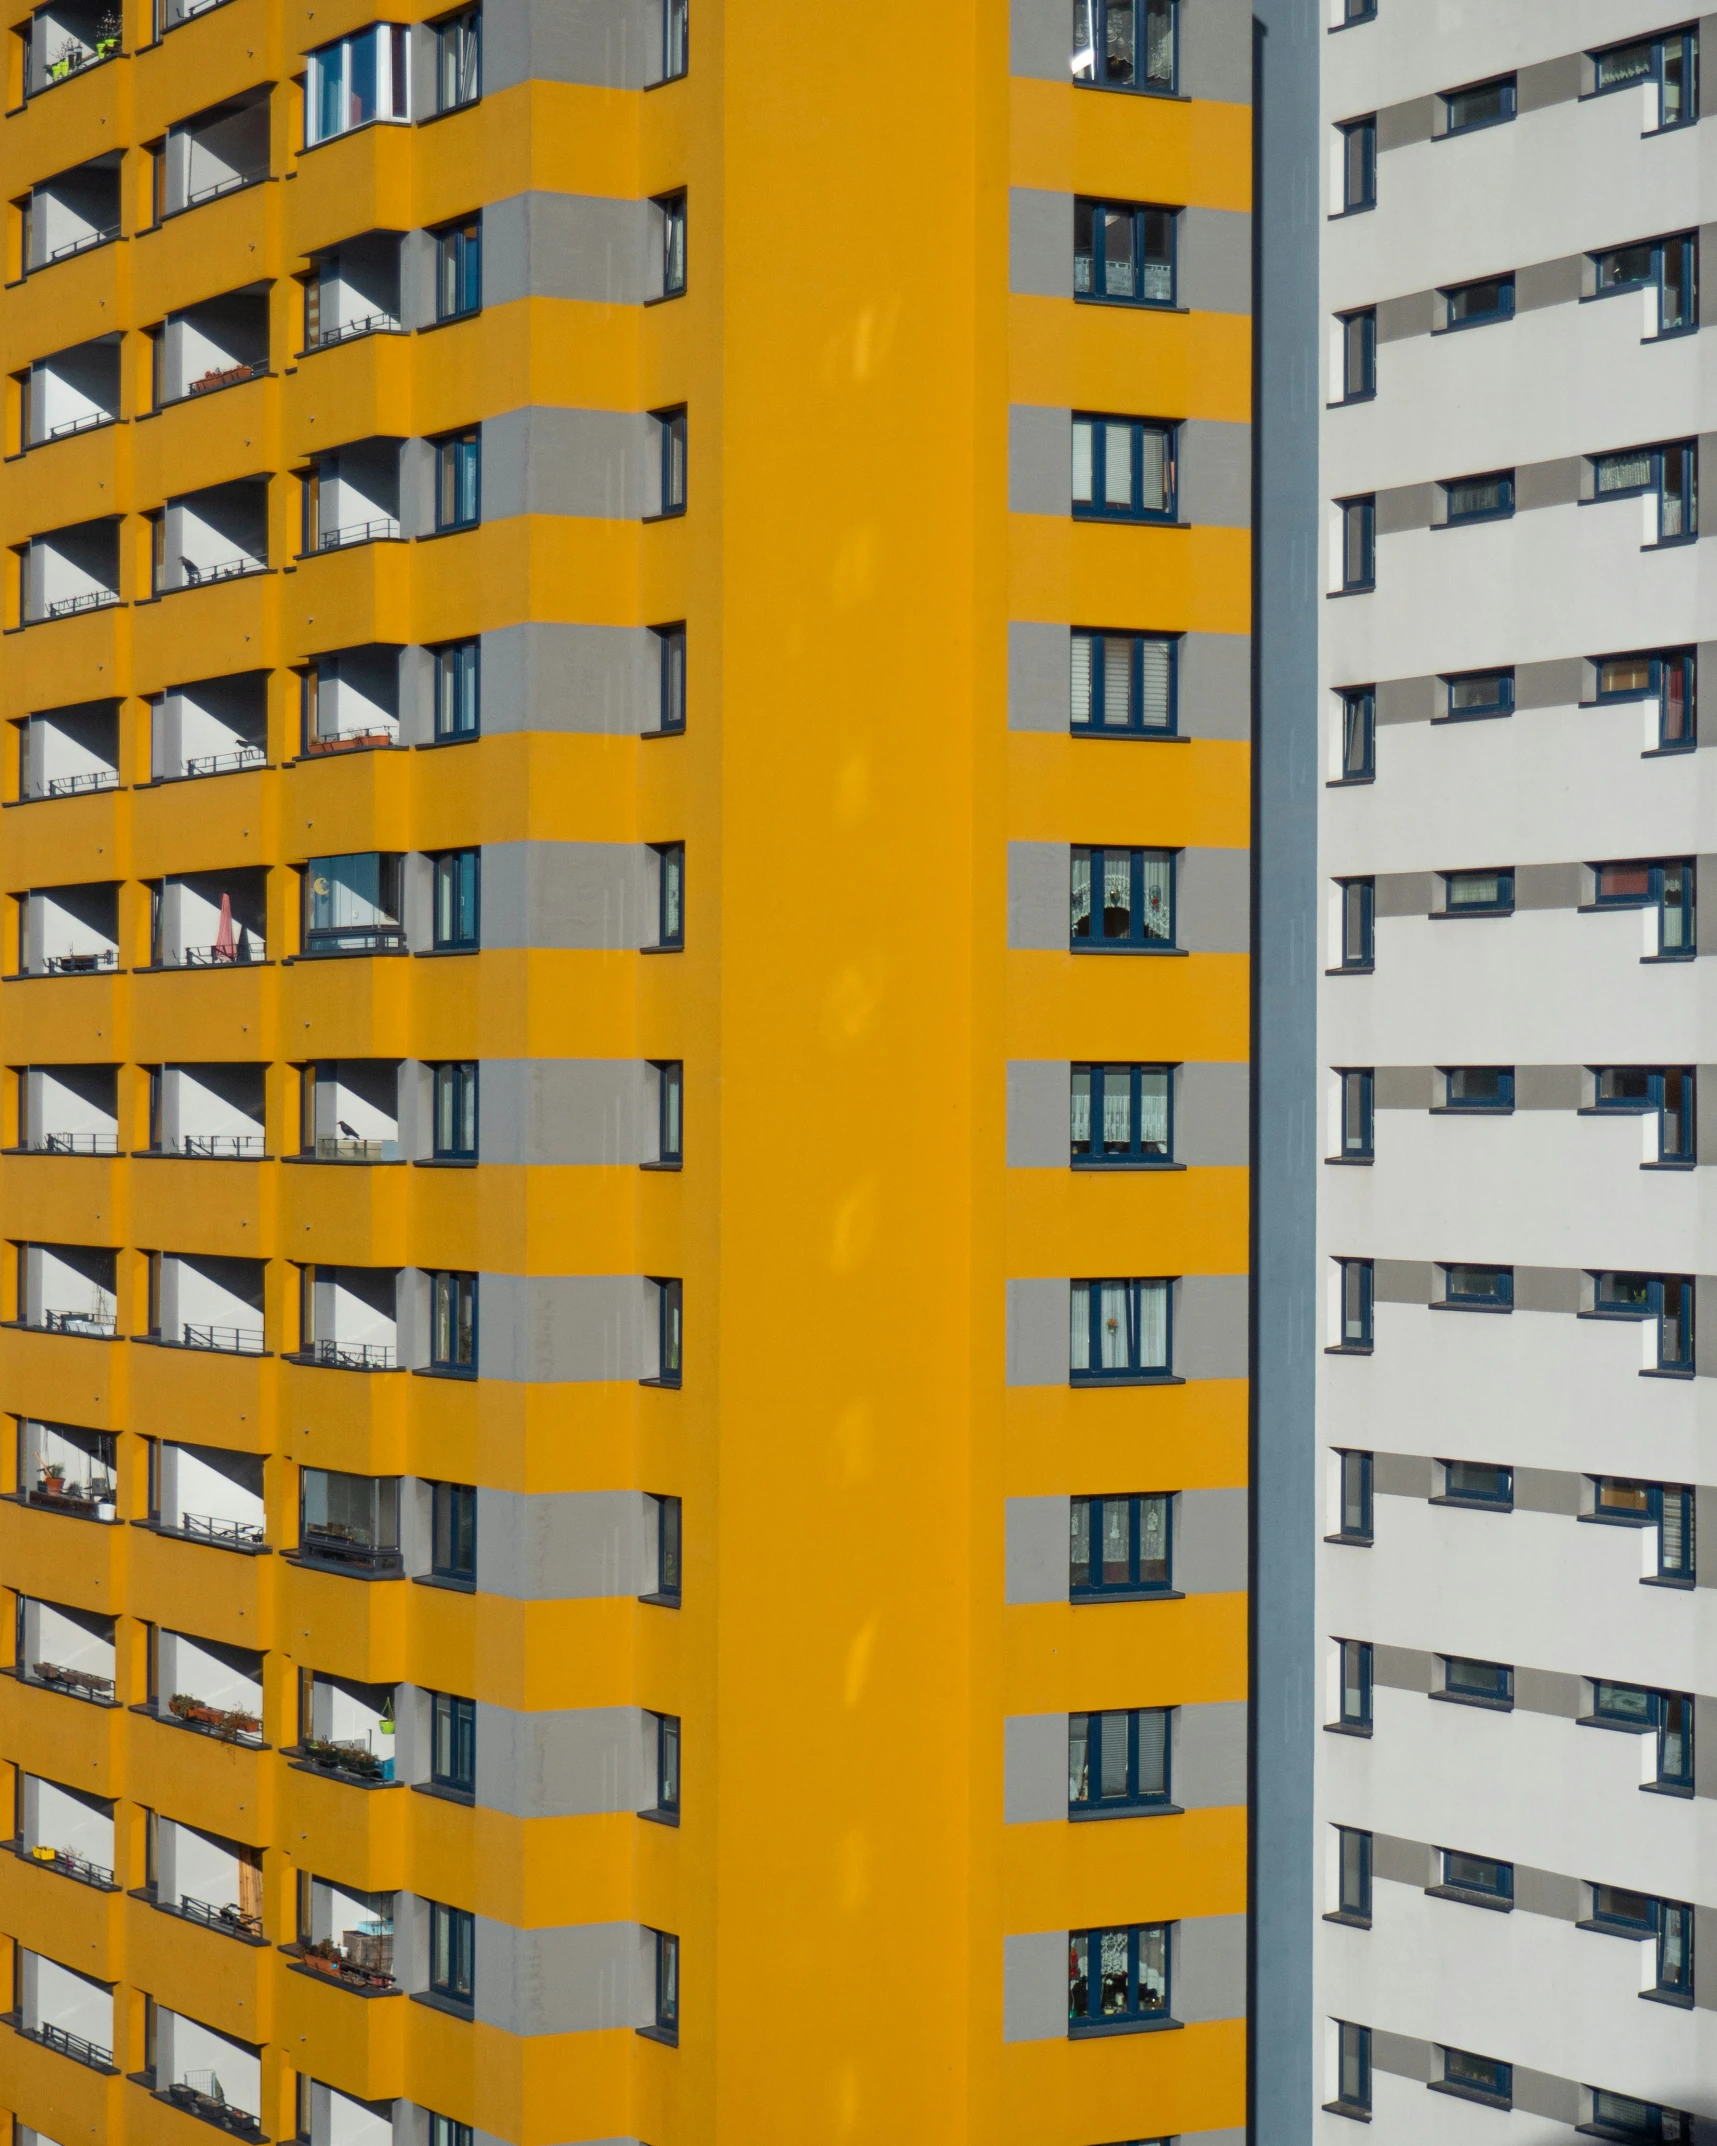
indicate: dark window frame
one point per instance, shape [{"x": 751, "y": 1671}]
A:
[
  {"x": 452, "y": 1953},
  {"x": 1135, "y": 1371},
  {"x": 1358, "y": 342},
  {"x": 1506, "y": 85},
  {"x": 1099, "y": 424},
  {"x": 458, "y": 480},
  {"x": 1135, "y": 2011},
  {"x": 1102, "y": 47},
  {"x": 1137, "y": 1154},
  {"x": 453, "y": 1532},
  {"x": 1494, "y": 1688},
  {"x": 1672, "y": 680},
  {"x": 1467, "y": 517},
  {"x": 1456, "y": 321},
  {"x": 1355, "y": 1490},
  {"x": 453, "y": 1743},
  {"x": 453, "y": 1322},
  {"x": 1092, "y": 1510},
  {"x": 1355, "y": 1681},
  {"x": 1500, "y": 703},
  {"x": 1132, "y": 1799},
  {"x": 1358, "y": 734},
  {"x": 1358, "y": 511},
  {"x": 1098, "y": 641},
  {"x": 456, "y": 907},
  {"x": 1097, "y": 260},
  {"x": 1141, "y": 893},
  {"x": 458, "y": 689},
  {"x": 1358, "y": 165},
  {"x": 455, "y": 1106},
  {"x": 1501, "y": 904},
  {"x": 459, "y": 268}
]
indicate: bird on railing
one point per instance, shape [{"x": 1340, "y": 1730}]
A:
[{"x": 349, "y": 1131}]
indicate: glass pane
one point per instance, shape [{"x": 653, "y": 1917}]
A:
[
  {"x": 1117, "y": 1109},
  {"x": 1112, "y": 1325},
  {"x": 668, "y": 1763},
  {"x": 1357, "y": 356},
  {"x": 1673, "y": 107},
  {"x": 1113, "y": 1746},
  {"x": 1353, "y": 1128},
  {"x": 1079, "y": 1542},
  {"x": 1083, "y": 430},
  {"x": 1476, "y": 1872},
  {"x": 1153, "y": 1542},
  {"x": 1474, "y": 890},
  {"x": 1154, "y": 1110},
  {"x": 1352, "y": 1680},
  {"x": 1353, "y": 1846},
  {"x": 1084, "y": 54},
  {"x": 1158, "y": 255},
  {"x": 1624, "y": 473},
  {"x": 1117, "y": 1546},
  {"x": 1083, "y": 646},
  {"x": 1627, "y": 264},
  {"x": 1118, "y": 230},
  {"x": 1672, "y": 1538},
  {"x": 1117, "y": 894},
  {"x": 1353, "y": 1300},
  {"x": 1118, "y": 41},
  {"x": 1117, "y": 681},
  {"x": 1082, "y": 893},
  {"x": 1611, "y": 1903},
  {"x": 1153, "y": 1969},
  {"x": 1157, "y": 892},
  {"x": 1080, "y": 1334},
  {"x": 1630, "y": 63},
  {"x": 1081, "y": 1116},
  {"x": 1676, "y": 727},
  {"x": 1084, "y": 226},
  {"x": 1078, "y": 1758},
  {"x": 1153, "y": 1730},
  {"x": 1357, "y": 188},
  {"x": 1469, "y": 694},
  {"x": 1117, "y": 465},
  {"x": 1475, "y": 107},
  {"x": 1355, "y": 554},
  {"x": 668, "y": 1574},
  {"x": 1353, "y": 2082},
  {"x": 1625, "y": 674},
  {"x": 361, "y": 105},
  {"x": 1115, "y": 1973},
  {"x": 1153, "y": 1345},
  {"x": 1154, "y": 484},
  {"x": 1079, "y": 1977},
  {"x": 1354, "y": 1517},
  {"x": 1155, "y": 709},
  {"x": 1481, "y": 495},
  {"x": 1615, "y": 1496}
]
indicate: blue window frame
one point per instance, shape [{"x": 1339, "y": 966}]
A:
[
  {"x": 667, "y": 1547},
  {"x": 670, "y": 1109},
  {"x": 458, "y": 675},
  {"x": 1359, "y": 355},
  {"x": 1122, "y": 1116},
  {"x": 1352, "y": 2066},
  {"x": 453, "y": 1532},
  {"x": 1670, "y": 470},
  {"x": 1137, "y": 890},
  {"x": 1120, "y": 1330},
  {"x": 670, "y": 677},
  {"x": 1674, "y": 1952},
  {"x": 1667, "y": 676},
  {"x": 1478, "y": 304},
  {"x": 1120, "y": 1545},
  {"x": 671, "y": 895},
  {"x": 1618, "y": 2116},
  {"x": 453, "y": 1744},
  {"x": 667, "y": 1785},
  {"x": 1491, "y": 1682},
  {"x": 458, "y": 59},
  {"x": 454, "y": 1136},
  {"x": 1489, "y": 1288},
  {"x": 1667, "y": 1298},
  {"x": 456, "y": 899},
  {"x": 1356, "y": 1083},
  {"x": 1668, "y": 266},
  {"x": 458, "y": 488},
  {"x": 1666, "y": 1714},
  {"x": 1482, "y": 1874},
  {"x": 1126, "y": 44},
  {"x": 452, "y": 1952},
  {"x": 666, "y": 2027},
  {"x": 1637, "y": 1091},
  {"x": 1355, "y": 1672},
  {"x": 1481, "y": 104},
  {"x": 1117, "y": 1979},
  {"x": 1353, "y": 1874},
  {"x": 669, "y": 1336},
  {"x": 1358, "y": 543},
  {"x": 1123, "y": 253},
  {"x": 1669, "y": 887},
  {"x": 459, "y": 269},
  {"x": 1358, "y": 165},
  {"x": 670, "y": 460},
  {"x": 1487, "y": 893},
  {"x": 1123, "y": 684},
  {"x": 1671, "y": 62},
  {"x": 1123, "y": 469},
  {"x": 676, "y": 43},
  {"x": 1477, "y": 1482},
  {"x": 1356, "y": 1512},
  {"x": 1357, "y": 11},
  {"x": 1667, "y": 1507},
  {"x": 1117, "y": 1763},
  {"x": 1473, "y": 695},
  {"x": 443, "y": 2131},
  {"x": 1358, "y": 911},
  {"x": 1489, "y": 498},
  {"x": 1478, "y": 1087},
  {"x": 453, "y": 1322},
  {"x": 671, "y": 213},
  {"x": 1354, "y": 1280},
  {"x": 1478, "y": 2078},
  {"x": 1615, "y": 1908},
  {"x": 1358, "y": 734}
]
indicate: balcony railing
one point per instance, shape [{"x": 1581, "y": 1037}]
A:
[
  {"x": 353, "y": 1355},
  {"x": 225, "y": 1340},
  {"x": 347, "y": 331},
  {"x": 83, "y": 245},
  {"x": 231, "y": 1919},
  {"x": 75, "y": 1144},
  {"x": 332, "y": 1544},
  {"x": 225, "y": 376},
  {"x": 93, "y": 1500},
  {"x": 345, "y": 741},
  {"x": 229, "y": 185},
  {"x": 101, "y": 778},
  {"x": 208, "y": 2102},
  {"x": 375, "y": 531},
  {"x": 72, "y": 59},
  {"x": 90, "y": 600},
  {"x": 70, "y": 2045},
  {"x": 345, "y": 1755},
  {"x": 354, "y": 939},
  {"x": 69, "y": 1865},
  {"x": 79, "y": 1683},
  {"x": 221, "y": 1147},
  {"x": 241, "y": 756},
  {"x": 337, "y": 1147},
  {"x": 211, "y": 1527},
  {"x": 80, "y": 964},
  {"x": 364, "y": 1962},
  {"x": 90, "y": 422},
  {"x": 238, "y": 955},
  {"x": 194, "y": 576},
  {"x": 103, "y": 1325},
  {"x": 231, "y": 1724}
]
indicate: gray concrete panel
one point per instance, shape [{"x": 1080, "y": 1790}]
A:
[
  {"x": 1548, "y": 82},
  {"x": 1040, "y": 460},
  {"x": 1215, "y": 685},
  {"x": 1547, "y": 886},
  {"x": 1405, "y": 1088},
  {"x": 1540, "y": 2093},
  {"x": 589, "y": 463},
  {"x": 606, "y": 43},
  {"x": 1556, "y": 1289},
  {"x": 1215, "y": 262},
  {"x": 1405, "y": 506},
  {"x": 563, "y": 1328},
  {"x": 1403, "y": 1862},
  {"x": 1406, "y": 700},
  {"x": 1547, "y": 1892},
  {"x": 569, "y": 1545},
  {"x": 1035, "y": 1768},
  {"x": 1037, "y": 1550},
  {"x": 1550, "y": 283},
  {"x": 1401, "y": 1281},
  {"x": 1210, "y": 1542},
  {"x": 1213, "y": 901},
  {"x": 1548, "y": 1490},
  {"x": 1401, "y": 125},
  {"x": 1549, "y": 484},
  {"x": 1403, "y": 1475},
  {"x": 563, "y": 1764},
  {"x": 590, "y": 247},
  {"x": 1034, "y": 1983},
  {"x": 1548, "y": 1087},
  {"x": 1039, "y": 1315},
  {"x": 1040, "y": 44},
  {"x": 567, "y": 1111},
  {"x": 592, "y": 895},
  {"x": 1040, "y": 898},
  {"x": 1040, "y": 241},
  {"x": 1216, "y": 50},
  {"x": 574, "y": 1979},
  {"x": 1210, "y": 1756},
  {"x": 1215, "y": 480},
  {"x": 1212, "y": 1117},
  {"x": 1211, "y": 1326},
  {"x": 1040, "y": 691},
  {"x": 1415, "y": 313},
  {"x": 1403, "y": 2055},
  {"x": 1403, "y": 894},
  {"x": 1403, "y": 1669},
  {"x": 1550, "y": 1691},
  {"x": 1209, "y": 1968},
  {"x": 1557, "y": 684},
  {"x": 1039, "y": 1114}
]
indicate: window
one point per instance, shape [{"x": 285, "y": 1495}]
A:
[
  {"x": 1125, "y": 44},
  {"x": 1123, "y": 469},
  {"x": 457, "y": 670},
  {"x": 453, "y": 1322},
  {"x": 1668, "y": 1507},
  {"x": 668, "y": 1336},
  {"x": 1358, "y": 734},
  {"x": 453, "y": 1745},
  {"x": 670, "y": 429},
  {"x": 670, "y": 895},
  {"x": 1485, "y": 104},
  {"x": 1482, "y": 893},
  {"x": 1674, "y": 1952},
  {"x": 1478, "y": 1087},
  {"x": 1618, "y": 1909},
  {"x": 454, "y": 1136},
  {"x": 453, "y": 1554},
  {"x": 1123, "y": 683},
  {"x": 667, "y": 1549},
  {"x": 666, "y": 2027},
  {"x": 457, "y": 489},
  {"x": 1479, "y": 2078},
  {"x": 361, "y": 78},
  {"x": 443, "y": 2131},
  {"x": 670, "y": 677},
  {"x": 1117, "y": 1978},
  {"x": 1357, "y": 11},
  {"x": 1356, "y": 1114},
  {"x": 1669, "y": 887},
  {"x": 1359, "y": 355},
  {"x": 459, "y": 274},
  {"x": 1482, "y": 1874},
  {"x": 1354, "y": 1280},
  {"x": 1668, "y": 678},
  {"x": 1353, "y": 1874},
  {"x": 1481, "y": 499},
  {"x": 1671, "y": 471},
  {"x": 1123, "y": 254},
  {"x": 1669, "y": 266},
  {"x": 1352, "y": 2066},
  {"x": 1120, "y": 1331},
  {"x": 1667, "y": 1298},
  {"x": 1476, "y": 305},
  {"x": 1358, "y": 165},
  {"x": 1137, "y": 889},
  {"x": 1490, "y": 1682},
  {"x": 458, "y": 48},
  {"x": 1119, "y": 1546},
  {"x": 1355, "y": 1479},
  {"x": 1357, "y": 912},
  {"x": 1479, "y": 693},
  {"x": 456, "y": 879},
  {"x": 1490, "y": 1288},
  {"x": 1639, "y": 1090},
  {"x": 452, "y": 1947},
  {"x": 1122, "y": 1116},
  {"x": 667, "y": 1786},
  {"x": 1615, "y": 2116},
  {"x": 671, "y": 210},
  {"x": 676, "y": 49},
  {"x": 1358, "y": 542},
  {"x": 1671, "y": 63},
  {"x": 1117, "y": 1762},
  {"x": 1355, "y": 1671},
  {"x": 670, "y": 1109},
  {"x": 1473, "y": 1482}
]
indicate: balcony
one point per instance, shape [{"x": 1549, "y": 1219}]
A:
[
  {"x": 71, "y": 570},
  {"x": 352, "y": 1110},
  {"x": 348, "y": 1731},
  {"x": 67, "y": 39},
  {"x": 69, "y": 752},
  {"x": 219, "y": 343},
  {"x": 68, "y": 1289},
  {"x": 352, "y": 496},
  {"x": 72, "y": 213},
  {"x": 208, "y": 2075},
  {"x": 64, "y": 1469},
  {"x": 215, "y": 727},
  {"x": 349, "y": 1938},
  {"x": 211, "y": 920},
  {"x": 349, "y": 1317},
  {"x": 215, "y": 1690},
  {"x": 350, "y": 1523},
  {"x": 352, "y": 700},
  {"x": 66, "y": 1831},
  {"x": 65, "y": 2043},
  {"x": 354, "y": 904},
  {"x": 210, "y": 1495},
  {"x": 211, "y": 1112},
  {"x": 216, "y": 1882},
  {"x": 214, "y": 152},
  {"x": 64, "y": 2011},
  {"x": 218, "y": 534},
  {"x": 73, "y": 391},
  {"x": 68, "y": 1110},
  {"x": 355, "y": 291},
  {"x": 206, "y": 1302}
]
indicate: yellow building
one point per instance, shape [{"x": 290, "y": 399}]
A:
[{"x": 628, "y": 696}]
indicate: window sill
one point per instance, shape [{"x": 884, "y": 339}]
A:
[
  {"x": 675, "y": 948},
  {"x": 1468, "y": 2093},
  {"x": 1086, "y": 1598},
  {"x": 668, "y": 2036},
  {"x": 662, "y": 730},
  {"x": 1348, "y": 1728},
  {"x": 206, "y": 1542},
  {"x": 1455, "y": 1304},
  {"x": 1359, "y": 208},
  {"x": 1107, "y": 1166},
  {"x": 1360, "y": 588},
  {"x": 1670, "y": 752},
  {"x": 445, "y": 1371},
  {"x": 338, "y": 1162},
  {"x": 452, "y": 2006},
  {"x": 450, "y": 111},
  {"x": 1097, "y": 2029},
  {"x": 1462, "y": 1698},
  {"x": 662, "y": 1601},
  {"x": 1129, "y": 1378},
  {"x": 59, "y": 1691},
  {"x": 1620, "y": 1728},
  {"x": 1353, "y": 1542},
  {"x": 1665, "y": 1371},
  {"x": 435, "y": 745},
  {"x": 1132, "y": 89},
  {"x": 670, "y": 1166},
  {"x": 1346, "y": 402},
  {"x": 1667, "y": 1788},
  {"x": 1342, "y": 2108},
  {"x": 1471, "y": 1110},
  {"x": 444, "y": 1581},
  {"x": 1471, "y": 715},
  {"x": 1351, "y": 1348},
  {"x": 444, "y": 1162},
  {"x": 1655, "y": 961},
  {"x": 1615, "y": 1929},
  {"x": 1673, "y": 1998},
  {"x": 1616, "y": 1520},
  {"x": 234, "y": 1740},
  {"x": 444, "y": 953},
  {"x": 1688, "y": 1163},
  {"x": 1084, "y": 947},
  {"x": 1080, "y": 1817},
  {"x": 444, "y": 1794},
  {"x": 1475, "y": 1505},
  {"x": 668, "y": 1385},
  {"x": 1670, "y": 1580},
  {"x": 1090, "y": 520},
  {"x": 1120, "y": 736},
  {"x": 1469, "y": 1899},
  {"x": 1353, "y": 968},
  {"x": 1452, "y": 916},
  {"x": 1349, "y": 1162},
  {"x": 338, "y": 1571},
  {"x": 1349, "y": 1922},
  {"x": 661, "y": 1818},
  {"x": 1349, "y": 782}
]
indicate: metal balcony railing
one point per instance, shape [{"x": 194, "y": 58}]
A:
[
  {"x": 221, "y": 1147},
  {"x": 377, "y": 530},
  {"x": 76, "y": 1144},
  {"x": 90, "y": 600},
  {"x": 241, "y": 756},
  {"x": 102, "y": 1324},
  {"x": 194, "y": 576},
  {"x": 213, "y": 957},
  {"x": 82, "y": 245},
  {"x": 70, "y": 2045},
  {"x": 210, "y": 1527},
  {"x": 101, "y": 778},
  {"x": 85, "y": 1499},
  {"x": 347, "y": 331},
  {"x": 226, "y": 1340},
  {"x": 106, "y": 957},
  {"x": 231, "y": 1724},
  {"x": 80, "y": 1683},
  {"x": 353, "y": 1355},
  {"x": 336, "y": 1147},
  {"x": 90, "y": 423},
  {"x": 69, "y": 1865},
  {"x": 211, "y": 2104},
  {"x": 229, "y": 185},
  {"x": 332, "y": 1544},
  {"x": 231, "y": 1918}
]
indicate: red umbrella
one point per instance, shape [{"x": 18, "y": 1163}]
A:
[{"x": 224, "y": 947}]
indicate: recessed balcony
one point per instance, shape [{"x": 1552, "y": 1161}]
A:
[
  {"x": 350, "y": 1523},
  {"x": 221, "y": 342},
  {"x": 218, "y": 726},
  {"x": 66, "y": 1831},
  {"x": 68, "y": 1110},
  {"x": 210, "y": 920},
  {"x": 66, "y": 1650},
  {"x": 209, "y": 1494},
  {"x": 353, "y": 290},
  {"x": 351, "y": 700},
  {"x": 68, "y": 1289},
  {"x": 207, "y": 1687},
  {"x": 69, "y": 752},
  {"x": 72, "y": 213},
  {"x": 214, "y": 152},
  {"x": 210, "y": 1113},
  {"x": 66, "y": 2012},
  {"x": 69, "y": 571},
  {"x": 69, "y": 931},
  {"x": 67, "y": 39},
  {"x": 352, "y": 496},
  {"x": 73, "y": 391},
  {"x": 63, "y": 1468},
  {"x": 217, "y": 534},
  {"x": 204, "y": 1302},
  {"x": 351, "y": 1110}
]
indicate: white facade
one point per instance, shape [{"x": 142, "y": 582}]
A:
[{"x": 1555, "y": 1190}]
